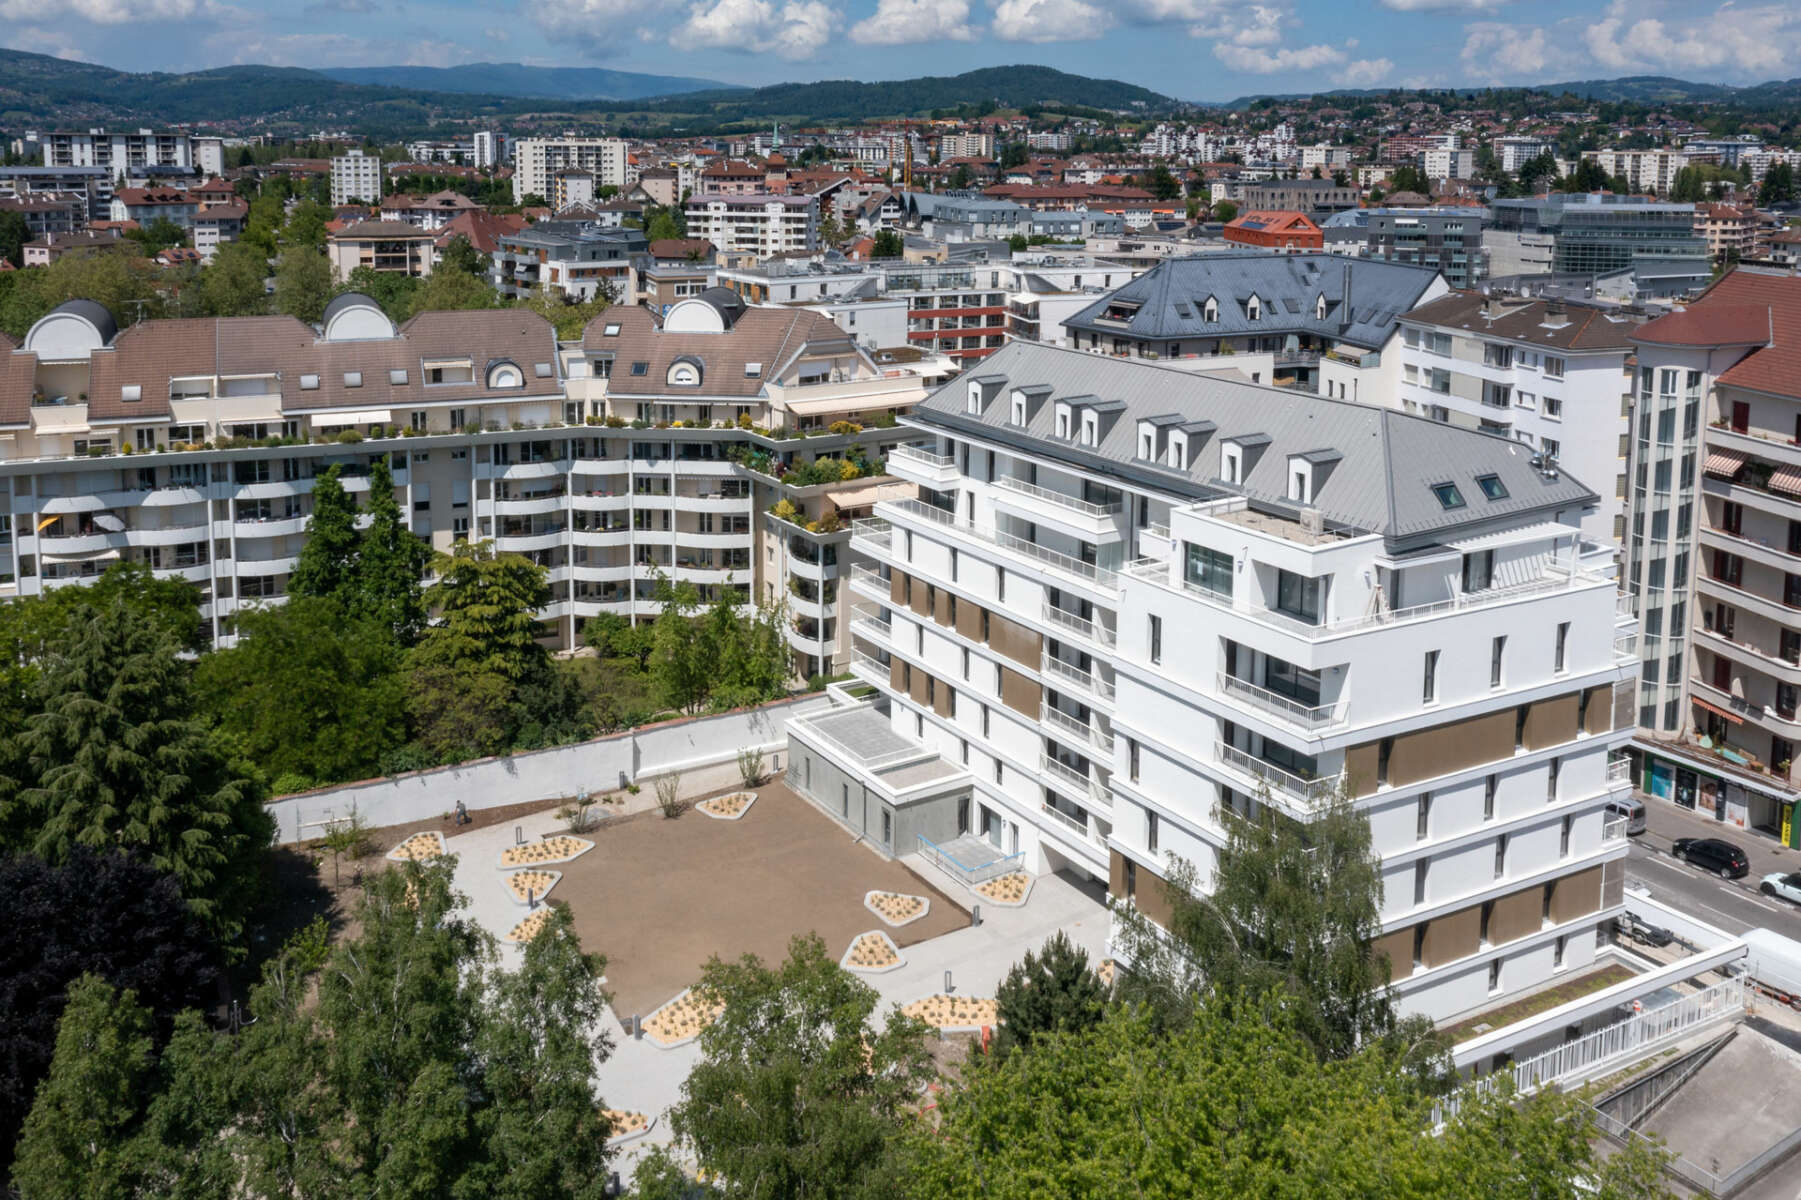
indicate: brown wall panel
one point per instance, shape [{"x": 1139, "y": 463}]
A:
[
  {"x": 1551, "y": 722},
  {"x": 897, "y": 675},
  {"x": 1445, "y": 749},
  {"x": 918, "y": 689},
  {"x": 946, "y": 699},
  {"x": 1397, "y": 948},
  {"x": 1015, "y": 641},
  {"x": 1020, "y": 694},
  {"x": 1360, "y": 768},
  {"x": 1451, "y": 937},
  {"x": 969, "y": 620},
  {"x": 1600, "y": 710},
  {"x": 1515, "y": 915},
  {"x": 898, "y": 584},
  {"x": 920, "y": 601},
  {"x": 1577, "y": 895},
  {"x": 1150, "y": 894},
  {"x": 941, "y": 609}
]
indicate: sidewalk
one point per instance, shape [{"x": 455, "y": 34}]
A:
[{"x": 1666, "y": 821}]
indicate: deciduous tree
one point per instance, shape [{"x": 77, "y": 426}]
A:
[
  {"x": 232, "y": 284},
  {"x": 327, "y": 565},
  {"x": 303, "y": 284}
]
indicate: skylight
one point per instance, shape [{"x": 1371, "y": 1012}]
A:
[
  {"x": 611, "y": 330},
  {"x": 1492, "y": 487},
  {"x": 640, "y": 368},
  {"x": 1448, "y": 495}
]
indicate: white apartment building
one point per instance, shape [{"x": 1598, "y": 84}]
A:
[
  {"x": 613, "y": 460},
  {"x": 1651, "y": 171},
  {"x": 965, "y": 145},
  {"x": 1441, "y": 163},
  {"x": 759, "y": 224},
  {"x": 1327, "y": 158},
  {"x": 1129, "y": 598},
  {"x": 537, "y": 160},
  {"x": 123, "y": 152},
  {"x": 1054, "y": 140},
  {"x": 1550, "y": 376},
  {"x": 484, "y": 146},
  {"x": 1515, "y": 152},
  {"x": 355, "y": 176}
]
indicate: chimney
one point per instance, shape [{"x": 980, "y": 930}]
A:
[
  {"x": 1556, "y": 313},
  {"x": 1344, "y": 301}
]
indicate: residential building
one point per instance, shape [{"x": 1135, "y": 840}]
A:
[
  {"x": 1730, "y": 230},
  {"x": 1285, "y": 232},
  {"x": 485, "y": 148},
  {"x": 431, "y": 212},
  {"x": 1130, "y": 601},
  {"x": 964, "y": 218},
  {"x": 759, "y": 224},
  {"x": 1446, "y": 239},
  {"x": 1597, "y": 233},
  {"x": 117, "y": 153},
  {"x": 574, "y": 259},
  {"x": 965, "y": 145},
  {"x": 570, "y": 188},
  {"x": 1441, "y": 163},
  {"x": 1311, "y": 196},
  {"x": 678, "y": 268},
  {"x": 537, "y": 160},
  {"x": 1652, "y": 171},
  {"x": 147, "y": 206},
  {"x": 355, "y": 178},
  {"x": 1543, "y": 373},
  {"x": 48, "y": 212},
  {"x": 218, "y": 223},
  {"x": 42, "y": 251},
  {"x": 92, "y": 184},
  {"x": 385, "y": 246},
  {"x": 1713, "y": 561},
  {"x": 510, "y": 436},
  {"x": 1327, "y": 158},
  {"x": 1326, "y": 324},
  {"x": 1515, "y": 152}
]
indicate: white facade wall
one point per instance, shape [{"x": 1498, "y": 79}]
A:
[
  {"x": 355, "y": 176},
  {"x": 537, "y": 160}
]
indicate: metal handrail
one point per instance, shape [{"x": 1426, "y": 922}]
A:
[
  {"x": 922, "y": 455},
  {"x": 1289, "y": 784},
  {"x": 1079, "y": 677},
  {"x": 1613, "y": 829},
  {"x": 1075, "y": 826},
  {"x": 1081, "y": 627},
  {"x": 1089, "y": 786},
  {"x": 1085, "y": 507},
  {"x": 1619, "y": 770},
  {"x": 1088, "y": 572},
  {"x": 1293, "y": 712}
]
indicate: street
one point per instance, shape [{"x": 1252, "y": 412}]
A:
[{"x": 1733, "y": 905}]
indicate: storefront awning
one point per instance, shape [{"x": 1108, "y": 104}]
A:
[
  {"x": 1724, "y": 462},
  {"x": 1718, "y": 711},
  {"x": 1786, "y": 479}
]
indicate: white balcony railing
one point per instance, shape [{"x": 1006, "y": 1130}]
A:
[
  {"x": 1288, "y": 711},
  {"x": 1090, "y": 683},
  {"x": 1077, "y": 728},
  {"x": 873, "y": 531},
  {"x": 1074, "y": 780},
  {"x": 1101, "y": 577},
  {"x": 1308, "y": 791},
  {"x": 1613, "y": 829},
  {"x": 1075, "y": 826},
  {"x": 1099, "y": 634},
  {"x": 922, "y": 456},
  {"x": 1619, "y": 770},
  {"x": 1060, "y": 499}
]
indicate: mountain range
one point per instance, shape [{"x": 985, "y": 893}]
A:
[
  {"x": 1634, "y": 89},
  {"x": 520, "y": 81}
]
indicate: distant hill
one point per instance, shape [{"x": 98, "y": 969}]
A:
[
  {"x": 849, "y": 99},
  {"x": 519, "y": 80},
  {"x": 1634, "y": 89}
]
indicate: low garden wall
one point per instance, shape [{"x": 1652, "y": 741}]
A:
[{"x": 602, "y": 765}]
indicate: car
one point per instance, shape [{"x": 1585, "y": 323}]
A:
[
  {"x": 1712, "y": 854},
  {"x": 1632, "y": 810},
  {"x": 1786, "y": 886},
  {"x": 1640, "y": 930}
]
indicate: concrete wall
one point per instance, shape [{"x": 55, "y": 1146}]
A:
[
  {"x": 601, "y": 765},
  {"x": 847, "y": 800}
]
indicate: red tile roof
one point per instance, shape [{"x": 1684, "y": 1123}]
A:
[{"x": 1744, "y": 308}]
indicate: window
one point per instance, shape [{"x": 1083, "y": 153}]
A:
[
  {"x": 1253, "y": 309},
  {"x": 1492, "y": 487},
  {"x": 1150, "y": 831},
  {"x": 1448, "y": 495},
  {"x": 1132, "y": 759},
  {"x": 1232, "y": 464},
  {"x": 1384, "y": 751},
  {"x": 984, "y": 720},
  {"x": 1298, "y": 596},
  {"x": 1551, "y": 446},
  {"x": 640, "y": 368},
  {"x": 1554, "y": 774},
  {"x": 1496, "y": 656},
  {"x": 1569, "y": 824},
  {"x": 1478, "y": 570},
  {"x": 1494, "y": 976},
  {"x": 1000, "y": 775},
  {"x": 1422, "y": 825},
  {"x": 1156, "y": 638},
  {"x": 1429, "y": 693},
  {"x": 1557, "y": 954},
  {"x": 1490, "y": 786},
  {"x": 1501, "y": 856},
  {"x": 353, "y": 379},
  {"x": 1419, "y": 945},
  {"x": 1019, "y": 410},
  {"x": 1553, "y": 366},
  {"x": 1553, "y": 409},
  {"x": 1209, "y": 571},
  {"x": 1560, "y": 662},
  {"x": 1419, "y": 882}
]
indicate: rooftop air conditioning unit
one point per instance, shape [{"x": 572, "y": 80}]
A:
[{"x": 1313, "y": 521}]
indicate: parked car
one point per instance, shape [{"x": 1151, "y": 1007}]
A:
[
  {"x": 1712, "y": 854},
  {"x": 1632, "y": 810},
  {"x": 1787, "y": 886},
  {"x": 1643, "y": 931}
]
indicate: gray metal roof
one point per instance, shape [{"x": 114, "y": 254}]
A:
[
  {"x": 1172, "y": 296},
  {"x": 1383, "y": 483}
]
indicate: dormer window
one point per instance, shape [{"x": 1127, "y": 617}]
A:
[
  {"x": 1063, "y": 420},
  {"x": 1231, "y": 467},
  {"x": 753, "y": 370},
  {"x": 505, "y": 375},
  {"x": 1300, "y": 483},
  {"x": 1019, "y": 409},
  {"x": 683, "y": 372},
  {"x": 1253, "y": 309},
  {"x": 974, "y": 407},
  {"x": 1147, "y": 442},
  {"x": 1091, "y": 427},
  {"x": 1178, "y": 454},
  {"x": 1319, "y": 307},
  {"x": 1210, "y": 310}
]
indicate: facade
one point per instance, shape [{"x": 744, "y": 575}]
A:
[
  {"x": 1652, "y": 171},
  {"x": 48, "y": 212},
  {"x": 575, "y": 259},
  {"x": 381, "y": 246},
  {"x": 1713, "y": 560},
  {"x": 431, "y": 212},
  {"x": 355, "y": 178},
  {"x": 1596, "y": 234},
  {"x": 147, "y": 206},
  {"x": 1440, "y": 163},
  {"x": 1446, "y": 239},
  {"x": 92, "y": 184},
  {"x": 118, "y": 153},
  {"x": 965, "y": 145},
  {"x": 1310, "y": 196},
  {"x": 1730, "y": 230},
  {"x": 1328, "y": 324},
  {"x": 484, "y": 147},
  {"x": 758, "y": 224},
  {"x": 1129, "y": 600},
  {"x": 1539, "y": 372},
  {"x": 216, "y": 224},
  {"x": 1285, "y": 232},
  {"x": 509, "y": 435},
  {"x": 537, "y": 160},
  {"x": 1515, "y": 152}
]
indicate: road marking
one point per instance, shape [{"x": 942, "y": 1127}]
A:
[{"x": 1716, "y": 912}]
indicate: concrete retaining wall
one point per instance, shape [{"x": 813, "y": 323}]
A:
[{"x": 602, "y": 765}]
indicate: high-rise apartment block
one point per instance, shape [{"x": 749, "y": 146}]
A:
[
  {"x": 356, "y": 178},
  {"x": 537, "y": 160}
]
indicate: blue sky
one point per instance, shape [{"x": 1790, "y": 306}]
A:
[{"x": 1193, "y": 49}]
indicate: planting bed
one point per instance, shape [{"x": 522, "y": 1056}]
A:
[
  {"x": 680, "y": 1021},
  {"x": 1106, "y": 971},
  {"x": 896, "y": 908},
  {"x": 420, "y": 847},
  {"x": 559, "y": 849},
  {"x": 872, "y": 953},
  {"x": 1009, "y": 890},
  {"x": 960, "y": 1014},
  {"x": 624, "y": 1125},
  {"x": 728, "y": 807},
  {"x": 531, "y": 885},
  {"x": 529, "y": 928}
]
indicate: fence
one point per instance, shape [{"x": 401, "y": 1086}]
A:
[
  {"x": 600, "y": 765},
  {"x": 1630, "y": 1039},
  {"x": 950, "y": 864}
]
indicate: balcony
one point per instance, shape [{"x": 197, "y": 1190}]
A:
[
  {"x": 869, "y": 669},
  {"x": 1082, "y": 518},
  {"x": 1099, "y": 578},
  {"x": 1756, "y": 657},
  {"x": 1084, "y": 786},
  {"x": 1619, "y": 770},
  {"x": 867, "y": 581},
  {"x": 1083, "y": 732},
  {"x": 871, "y": 535},
  {"x": 1062, "y": 674},
  {"x": 1291, "y": 712},
  {"x": 1310, "y": 793},
  {"x": 1088, "y": 631}
]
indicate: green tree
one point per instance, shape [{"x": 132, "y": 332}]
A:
[
  {"x": 77, "y": 1142},
  {"x": 664, "y": 224},
  {"x": 1017, "y": 244},
  {"x": 1294, "y": 906},
  {"x": 1587, "y": 177},
  {"x": 460, "y": 255},
  {"x": 1162, "y": 184},
  {"x": 613, "y": 636},
  {"x": 1234, "y": 1104},
  {"x": 327, "y": 563},
  {"x": 232, "y": 284},
  {"x": 15, "y": 231},
  {"x": 114, "y": 756},
  {"x": 1409, "y": 179},
  {"x": 681, "y": 662},
  {"x": 888, "y": 244},
  {"x": 303, "y": 284},
  {"x": 390, "y": 563},
  {"x": 960, "y": 178},
  {"x": 160, "y": 234},
  {"x": 1225, "y": 210},
  {"x": 391, "y": 290},
  {"x": 1050, "y": 991},
  {"x": 832, "y": 234},
  {"x": 1778, "y": 185},
  {"x": 449, "y": 290},
  {"x": 305, "y": 226},
  {"x": 568, "y": 318},
  {"x": 308, "y": 690},
  {"x": 796, "y": 1094},
  {"x": 1688, "y": 186},
  {"x": 127, "y": 287}
]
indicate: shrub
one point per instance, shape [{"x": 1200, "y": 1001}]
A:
[
  {"x": 669, "y": 795},
  {"x": 578, "y": 814},
  {"x": 750, "y": 767},
  {"x": 349, "y": 437},
  {"x": 290, "y": 782}
]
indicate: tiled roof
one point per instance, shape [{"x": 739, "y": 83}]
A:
[
  {"x": 768, "y": 337},
  {"x": 1729, "y": 313},
  {"x": 1584, "y": 327},
  {"x": 363, "y": 230},
  {"x": 1382, "y": 483},
  {"x": 18, "y": 373}
]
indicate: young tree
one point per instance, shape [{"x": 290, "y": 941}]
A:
[
  {"x": 232, "y": 284},
  {"x": 832, "y": 233},
  {"x": 391, "y": 290},
  {"x": 390, "y": 563},
  {"x": 327, "y": 564},
  {"x": 1050, "y": 991},
  {"x": 114, "y": 756},
  {"x": 449, "y": 290},
  {"x": 682, "y": 663},
  {"x": 1225, "y": 210},
  {"x": 888, "y": 244},
  {"x": 796, "y": 1095},
  {"x": 1294, "y": 906},
  {"x": 303, "y": 284},
  {"x": 460, "y": 255},
  {"x": 568, "y": 319},
  {"x": 14, "y": 233},
  {"x": 308, "y": 690},
  {"x": 1162, "y": 184},
  {"x": 613, "y": 636}
]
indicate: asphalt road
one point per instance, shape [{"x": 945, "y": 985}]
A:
[{"x": 1733, "y": 905}]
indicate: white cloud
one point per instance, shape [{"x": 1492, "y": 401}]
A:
[
  {"x": 1258, "y": 60},
  {"x": 594, "y": 23},
  {"x": 1364, "y": 72},
  {"x": 1049, "y": 21},
  {"x": 904, "y": 22},
  {"x": 794, "y": 30},
  {"x": 106, "y": 12},
  {"x": 1258, "y": 25},
  {"x": 1445, "y": 5},
  {"x": 1496, "y": 53},
  {"x": 337, "y": 49},
  {"x": 1637, "y": 37},
  {"x": 56, "y": 43}
]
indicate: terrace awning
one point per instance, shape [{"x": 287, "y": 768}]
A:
[
  {"x": 1786, "y": 479},
  {"x": 1718, "y": 711},
  {"x": 1723, "y": 462}
]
